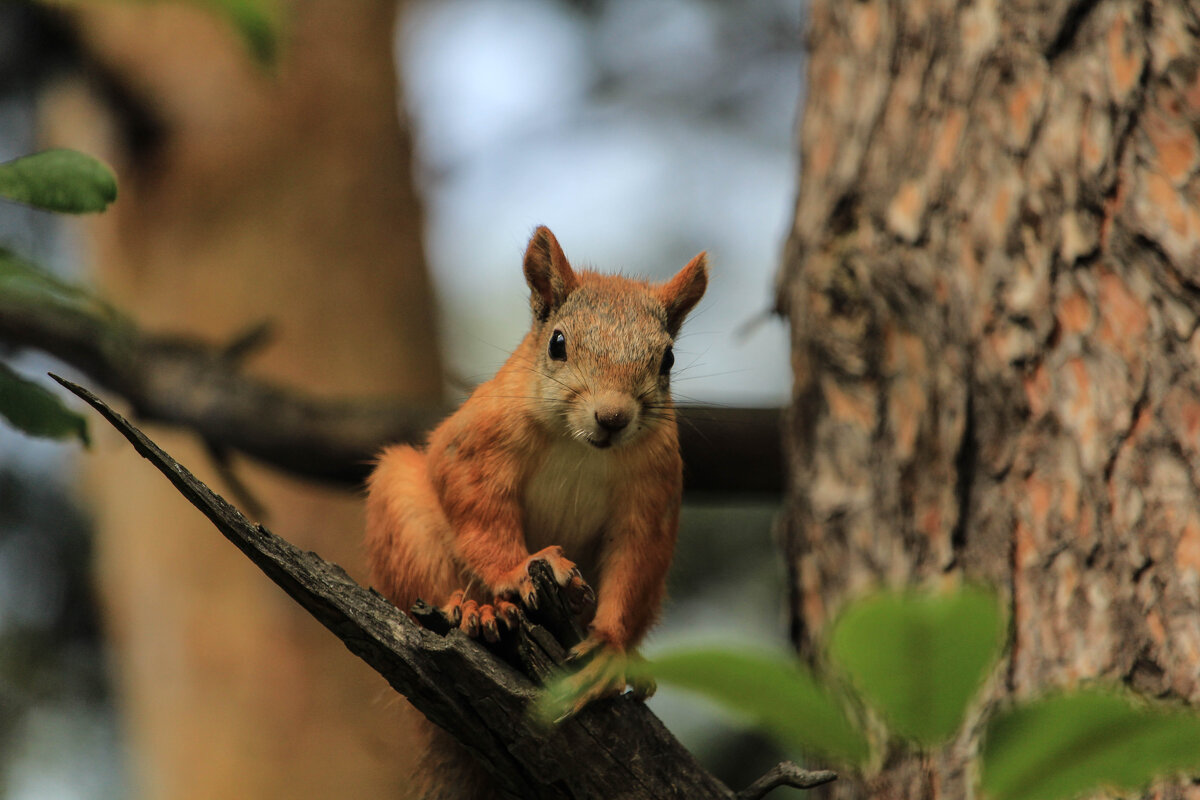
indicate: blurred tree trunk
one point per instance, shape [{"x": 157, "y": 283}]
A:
[
  {"x": 247, "y": 194},
  {"x": 993, "y": 282}
]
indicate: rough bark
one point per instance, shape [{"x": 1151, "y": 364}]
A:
[
  {"x": 481, "y": 695},
  {"x": 249, "y": 194},
  {"x": 993, "y": 283}
]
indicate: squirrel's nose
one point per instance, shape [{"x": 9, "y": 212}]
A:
[{"x": 612, "y": 419}]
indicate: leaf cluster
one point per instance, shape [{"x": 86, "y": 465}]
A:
[
  {"x": 915, "y": 662},
  {"x": 67, "y": 182}
]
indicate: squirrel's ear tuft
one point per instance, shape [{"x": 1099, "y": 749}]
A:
[
  {"x": 680, "y": 294},
  {"x": 547, "y": 273}
]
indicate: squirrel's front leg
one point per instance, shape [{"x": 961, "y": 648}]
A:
[
  {"x": 481, "y": 504},
  {"x": 633, "y": 578},
  {"x": 479, "y": 468}
]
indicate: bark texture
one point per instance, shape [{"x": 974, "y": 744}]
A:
[
  {"x": 993, "y": 283},
  {"x": 249, "y": 194},
  {"x": 191, "y": 384}
]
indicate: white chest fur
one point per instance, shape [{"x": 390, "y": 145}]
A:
[{"x": 566, "y": 501}]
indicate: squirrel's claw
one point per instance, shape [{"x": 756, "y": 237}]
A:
[
  {"x": 604, "y": 675},
  {"x": 580, "y": 596},
  {"x": 453, "y": 607},
  {"x": 473, "y": 618},
  {"x": 599, "y": 691},
  {"x": 499, "y": 614},
  {"x": 529, "y": 594},
  {"x": 487, "y": 623},
  {"x": 642, "y": 686},
  {"x": 508, "y": 613},
  {"x": 583, "y": 650},
  {"x": 470, "y": 618}
]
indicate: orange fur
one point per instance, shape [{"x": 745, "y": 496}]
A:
[{"x": 579, "y": 452}]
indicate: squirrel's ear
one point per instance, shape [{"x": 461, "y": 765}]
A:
[
  {"x": 547, "y": 273},
  {"x": 680, "y": 294}
]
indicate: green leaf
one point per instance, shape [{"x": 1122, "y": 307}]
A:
[
  {"x": 59, "y": 180},
  {"x": 775, "y": 693},
  {"x": 565, "y": 689},
  {"x": 918, "y": 658},
  {"x": 37, "y": 411},
  {"x": 1074, "y": 743},
  {"x": 30, "y": 284},
  {"x": 256, "y": 21},
  {"x": 19, "y": 275}
]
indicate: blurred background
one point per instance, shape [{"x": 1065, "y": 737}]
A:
[{"x": 641, "y": 133}]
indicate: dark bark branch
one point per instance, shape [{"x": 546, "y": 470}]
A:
[
  {"x": 198, "y": 386},
  {"x": 614, "y": 748}
]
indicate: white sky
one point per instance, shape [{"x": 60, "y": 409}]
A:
[{"x": 640, "y": 138}]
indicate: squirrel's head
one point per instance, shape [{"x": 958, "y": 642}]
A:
[{"x": 603, "y": 344}]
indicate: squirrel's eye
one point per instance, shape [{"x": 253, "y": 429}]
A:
[
  {"x": 558, "y": 346},
  {"x": 667, "y": 362}
]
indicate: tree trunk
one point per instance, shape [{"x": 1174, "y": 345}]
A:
[
  {"x": 993, "y": 284},
  {"x": 247, "y": 194}
]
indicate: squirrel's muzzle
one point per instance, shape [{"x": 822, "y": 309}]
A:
[
  {"x": 612, "y": 419},
  {"x": 612, "y": 415}
]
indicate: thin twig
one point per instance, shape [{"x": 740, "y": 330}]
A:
[
  {"x": 786, "y": 773},
  {"x": 197, "y": 386}
]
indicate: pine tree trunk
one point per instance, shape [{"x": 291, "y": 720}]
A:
[
  {"x": 993, "y": 284},
  {"x": 282, "y": 194}
]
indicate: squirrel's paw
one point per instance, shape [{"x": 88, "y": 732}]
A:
[
  {"x": 580, "y": 596},
  {"x": 500, "y": 613},
  {"x": 474, "y": 618},
  {"x": 607, "y": 673}
]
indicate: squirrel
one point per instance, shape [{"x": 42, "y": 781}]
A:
[{"x": 569, "y": 454}]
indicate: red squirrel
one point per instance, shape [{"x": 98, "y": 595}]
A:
[{"x": 569, "y": 454}]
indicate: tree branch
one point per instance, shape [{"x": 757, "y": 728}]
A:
[
  {"x": 198, "y": 386},
  {"x": 786, "y": 774},
  {"x": 614, "y": 748}
]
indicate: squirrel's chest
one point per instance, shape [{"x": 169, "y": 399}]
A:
[{"x": 567, "y": 499}]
